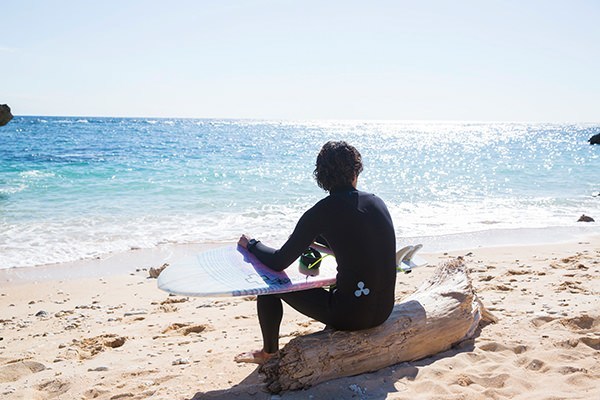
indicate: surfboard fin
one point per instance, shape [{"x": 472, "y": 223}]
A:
[
  {"x": 400, "y": 255},
  {"x": 404, "y": 257},
  {"x": 411, "y": 253}
]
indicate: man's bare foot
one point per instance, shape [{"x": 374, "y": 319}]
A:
[{"x": 254, "y": 357}]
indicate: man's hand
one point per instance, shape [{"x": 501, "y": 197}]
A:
[{"x": 244, "y": 239}]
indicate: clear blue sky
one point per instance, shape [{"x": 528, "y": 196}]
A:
[{"x": 496, "y": 60}]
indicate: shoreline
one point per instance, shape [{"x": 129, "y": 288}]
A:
[
  {"x": 507, "y": 237},
  {"x": 121, "y": 263},
  {"x": 128, "y": 261},
  {"x": 119, "y": 336}
]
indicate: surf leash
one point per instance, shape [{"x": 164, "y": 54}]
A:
[{"x": 310, "y": 261}]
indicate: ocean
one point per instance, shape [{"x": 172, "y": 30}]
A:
[{"x": 74, "y": 188}]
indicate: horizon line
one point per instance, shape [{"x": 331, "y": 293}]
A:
[{"x": 379, "y": 120}]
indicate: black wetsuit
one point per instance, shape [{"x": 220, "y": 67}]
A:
[{"x": 358, "y": 228}]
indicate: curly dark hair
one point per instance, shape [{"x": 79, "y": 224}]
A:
[{"x": 338, "y": 163}]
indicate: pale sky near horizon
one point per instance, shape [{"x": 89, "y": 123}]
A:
[{"x": 486, "y": 60}]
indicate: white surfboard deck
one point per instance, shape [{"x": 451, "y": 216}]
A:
[{"x": 233, "y": 271}]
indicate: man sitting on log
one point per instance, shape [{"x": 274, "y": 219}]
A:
[{"x": 358, "y": 229}]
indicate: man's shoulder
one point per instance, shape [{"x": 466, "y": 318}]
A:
[{"x": 370, "y": 195}]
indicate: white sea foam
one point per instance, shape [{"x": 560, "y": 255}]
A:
[
  {"x": 36, "y": 174},
  {"x": 77, "y": 238},
  {"x": 6, "y": 190},
  {"x": 72, "y": 239}
]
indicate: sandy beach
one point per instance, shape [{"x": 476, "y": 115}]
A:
[{"x": 109, "y": 333}]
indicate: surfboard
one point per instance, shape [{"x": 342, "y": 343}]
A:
[{"x": 234, "y": 271}]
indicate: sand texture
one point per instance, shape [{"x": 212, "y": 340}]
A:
[{"x": 119, "y": 337}]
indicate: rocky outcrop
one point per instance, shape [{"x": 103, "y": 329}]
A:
[
  {"x": 5, "y": 115},
  {"x": 585, "y": 218},
  {"x": 595, "y": 139}
]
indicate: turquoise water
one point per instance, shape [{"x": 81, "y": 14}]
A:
[{"x": 74, "y": 188}]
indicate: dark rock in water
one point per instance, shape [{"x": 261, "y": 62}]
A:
[
  {"x": 585, "y": 218},
  {"x": 595, "y": 139},
  {"x": 5, "y": 115}
]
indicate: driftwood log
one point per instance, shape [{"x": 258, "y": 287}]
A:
[{"x": 442, "y": 312}]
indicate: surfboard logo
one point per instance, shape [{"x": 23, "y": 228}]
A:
[{"x": 361, "y": 289}]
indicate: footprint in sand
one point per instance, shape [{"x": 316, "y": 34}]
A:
[
  {"x": 581, "y": 323},
  {"x": 593, "y": 342},
  {"x": 567, "y": 344},
  {"x": 532, "y": 364},
  {"x": 54, "y": 387},
  {"x": 14, "y": 371},
  {"x": 536, "y": 365},
  {"x": 89, "y": 347},
  {"x": 185, "y": 328},
  {"x": 497, "y": 347},
  {"x": 492, "y": 346},
  {"x": 590, "y": 341},
  {"x": 485, "y": 380},
  {"x": 95, "y": 393},
  {"x": 542, "y": 320}
]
